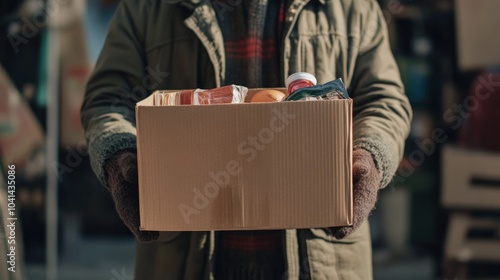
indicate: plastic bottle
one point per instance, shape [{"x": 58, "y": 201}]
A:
[{"x": 299, "y": 80}]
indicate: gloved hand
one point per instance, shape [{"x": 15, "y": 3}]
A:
[
  {"x": 122, "y": 181},
  {"x": 366, "y": 183}
]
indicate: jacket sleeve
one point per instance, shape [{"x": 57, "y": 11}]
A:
[
  {"x": 108, "y": 110},
  {"x": 382, "y": 112}
]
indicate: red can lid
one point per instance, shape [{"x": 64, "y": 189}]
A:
[{"x": 300, "y": 76}]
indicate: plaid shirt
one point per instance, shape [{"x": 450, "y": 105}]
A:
[{"x": 251, "y": 32}]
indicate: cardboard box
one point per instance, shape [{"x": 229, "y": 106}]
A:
[
  {"x": 245, "y": 166},
  {"x": 471, "y": 179}
]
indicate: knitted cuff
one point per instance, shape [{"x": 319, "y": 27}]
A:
[
  {"x": 102, "y": 148},
  {"x": 384, "y": 154}
]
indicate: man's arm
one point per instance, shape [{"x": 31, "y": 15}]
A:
[
  {"x": 382, "y": 112},
  {"x": 382, "y": 116},
  {"x": 108, "y": 111}
]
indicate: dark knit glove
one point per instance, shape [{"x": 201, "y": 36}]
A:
[
  {"x": 122, "y": 181},
  {"x": 366, "y": 183}
]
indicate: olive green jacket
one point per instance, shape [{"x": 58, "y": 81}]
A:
[{"x": 176, "y": 44}]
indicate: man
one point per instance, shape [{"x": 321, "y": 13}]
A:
[{"x": 159, "y": 44}]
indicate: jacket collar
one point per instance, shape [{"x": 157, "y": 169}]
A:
[{"x": 203, "y": 22}]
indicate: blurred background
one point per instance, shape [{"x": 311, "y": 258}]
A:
[{"x": 439, "y": 219}]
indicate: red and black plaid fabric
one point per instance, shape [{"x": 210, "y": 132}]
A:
[
  {"x": 250, "y": 255},
  {"x": 252, "y": 38},
  {"x": 252, "y": 31}
]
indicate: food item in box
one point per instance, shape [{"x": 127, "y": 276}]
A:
[
  {"x": 299, "y": 80},
  {"x": 221, "y": 95},
  {"x": 225, "y": 94},
  {"x": 268, "y": 95},
  {"x": 331, "y": 90}
]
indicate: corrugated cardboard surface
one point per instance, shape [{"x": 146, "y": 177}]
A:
[{"x": 245, "y": 166}]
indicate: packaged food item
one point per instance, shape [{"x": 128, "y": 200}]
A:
[
  {"x": 299, "y": 80},
  {"x": 225, "y": 94},
  {"x": 221, "y": 95},
  {"x": 162, "y": 98},
  {"x": 268, "y": 95},
  {"x": 331, "y": 90}
]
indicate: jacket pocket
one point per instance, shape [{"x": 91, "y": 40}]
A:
[{"x": 331, "y": 258}]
